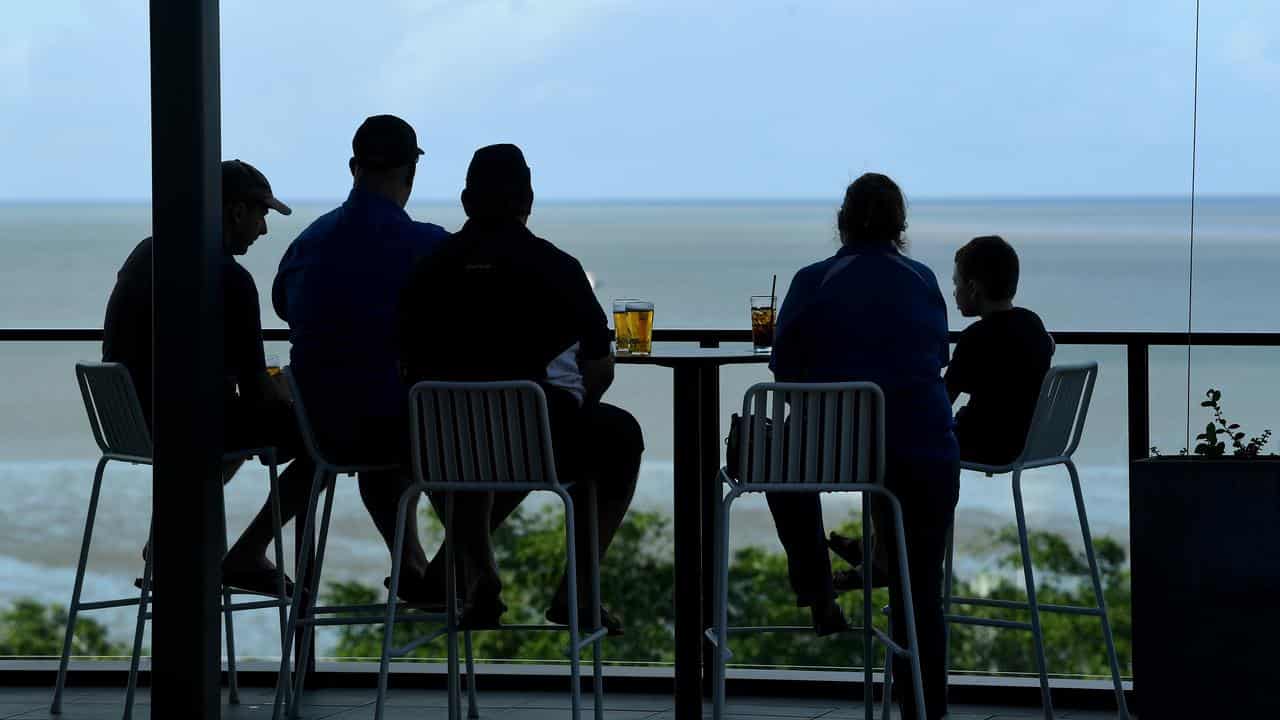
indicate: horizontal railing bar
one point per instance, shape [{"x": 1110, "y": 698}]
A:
[{"x": 1066, "y": 337}]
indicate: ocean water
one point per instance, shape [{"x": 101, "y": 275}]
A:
[{"x": 1087, "y": 264}]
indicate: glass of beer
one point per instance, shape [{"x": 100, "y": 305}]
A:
[
  {"x": 273, "y": 365},
  {"x": 640, "y": 320},
  {"x": 762, "y": 322},
  {"x": 622, "y": 326}
]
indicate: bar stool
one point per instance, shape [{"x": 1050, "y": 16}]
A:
[
  {"x": 834, "y": 442},
  {"x": 289, "y": 699},
  {"x": 120, "y": 429},
  {"x": 1054, "y": 436},
  {"x": 496, "y": 437}
]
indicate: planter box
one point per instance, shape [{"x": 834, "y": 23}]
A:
[{"x": 1205, "y": 553}]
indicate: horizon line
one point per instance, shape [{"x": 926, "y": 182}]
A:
[{"x": 714, "y": 199}]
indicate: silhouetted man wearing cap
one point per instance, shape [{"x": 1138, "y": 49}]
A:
[
  {"x": 338, "y": 286},
  {"x": 497, "y": 302},
  {"x": 255, "y": 412}
]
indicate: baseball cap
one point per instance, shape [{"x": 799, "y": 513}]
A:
[
  {"x": 242, "y": 181},
  {"x": 498, "y": 182},
  {"x": 383, "y": 142}
]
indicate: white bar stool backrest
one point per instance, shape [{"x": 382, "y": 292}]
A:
[
  {"x": 1058, "y": 422},
  {"x": 492, "y": 434},
  {"x": 305, "y": 429},
  {"x": 824, "y": 434},
  {"x": 115, "y": 414}
]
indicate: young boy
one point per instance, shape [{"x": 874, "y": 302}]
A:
[{"x": 1000, "y": 360}]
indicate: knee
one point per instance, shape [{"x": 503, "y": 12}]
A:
[{"x": 620, "y": 430}]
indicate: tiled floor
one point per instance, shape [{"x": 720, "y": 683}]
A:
[{"x": 107, "y": 704}]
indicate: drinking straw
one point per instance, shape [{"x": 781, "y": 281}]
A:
[{"x": 773, "y": 296}]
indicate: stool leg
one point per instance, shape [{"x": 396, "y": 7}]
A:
[
  {"x": 1036, "y": 635},
  {"x": 909, "y": 609},
  {"x": 571, "y": 581},
  {"x": 233, "y": 686},
  {"x": 55, "y": 707},
  {"x": 389, "y": 624},
  {"x": 886, "y": 693},
  {"x": 868, "y": 638},
  {"x": 593, "y": 567},
  {"x": 278, "y": 528},
  {"x": 473, "y": 709},
  {"x": 144, "y": 599},
  {"x": 283, "y": 701},
  {"x": 721, "y": 601},
  {"x": 308, "y": 640},
  {"x": 451, "y": 609},
  {"x": 1121, "y": 704}
]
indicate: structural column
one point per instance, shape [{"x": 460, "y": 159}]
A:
[{"x": 189, "y": 375}]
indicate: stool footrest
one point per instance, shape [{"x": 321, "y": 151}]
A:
[
  {"x": 106, "y": 604},
  {"x": 888, "y": 643},
  {"x": 258, "y": 605},
  {"x": 586, "y": 640},
  {"x": 367, "y": 620},
  {"x": 1022, "y": 605},
  {"x": 987, "y": 622},
  {"x": 419, "y": 642}
]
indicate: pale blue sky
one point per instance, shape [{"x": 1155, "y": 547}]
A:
[{"x": 672, "y": 99}]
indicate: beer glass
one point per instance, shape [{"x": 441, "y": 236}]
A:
[
  {"x": 640, "y": 320},
  {"x": 273, "y": 365},
  {"x": 762, "y": 323},
  {"x": 622, "y": 326}
]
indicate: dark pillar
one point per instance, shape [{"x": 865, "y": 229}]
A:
[
  {"x": 1139, "y": 361},
  {"x": 187, "y": 224}
]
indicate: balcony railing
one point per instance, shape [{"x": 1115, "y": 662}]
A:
[{"x": 1138, "y": 345}]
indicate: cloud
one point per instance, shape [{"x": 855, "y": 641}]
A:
[
  {"x": 1250, "y": 51},
  {"x": 463, "y": 51}
]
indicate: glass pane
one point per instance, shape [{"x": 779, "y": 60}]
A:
[
  {"x": 686, "y": 155},
  {"x": 1237, "y": 220}
]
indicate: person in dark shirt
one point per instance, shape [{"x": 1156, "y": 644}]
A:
[
  {"x": 338, "y": 287},
  {"x": 496, "y": 302},
  {"x": 1000, "y": 360},
  {"x": 870, "y": 313},
  {"x": 255, "y": 411}
]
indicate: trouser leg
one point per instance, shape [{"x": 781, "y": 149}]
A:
[
  {"x": 798, "y": 517},
  {"x": 927, "y": 491}
]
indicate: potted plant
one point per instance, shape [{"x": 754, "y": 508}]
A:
[{"x": 1205, "y": 552}]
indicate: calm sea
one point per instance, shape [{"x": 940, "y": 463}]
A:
[{"x": 1087, "y": 264}]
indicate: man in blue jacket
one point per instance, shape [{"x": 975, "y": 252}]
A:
[{"x": 338, "y": 287}]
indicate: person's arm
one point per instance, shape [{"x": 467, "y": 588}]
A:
[
  {"x": 597, "y": 377},
  {"x": 957, "y": 377},
  {"x": 595, "y": 356},
  {"x": 280, "y": 286},
  {"x": 788, "y": 336},
  {"x": 247, "y": 352}
]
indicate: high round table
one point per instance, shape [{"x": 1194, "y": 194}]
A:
[{"x": 696, "y": 428}]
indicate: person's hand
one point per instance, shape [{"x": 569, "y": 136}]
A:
[{"x": 277, "y": 388}]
